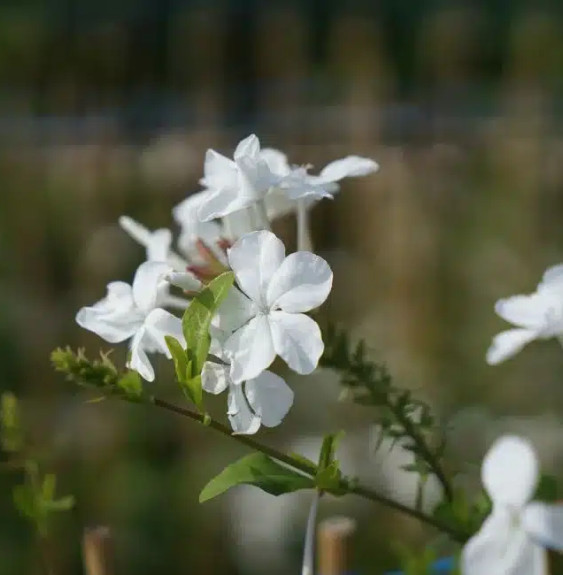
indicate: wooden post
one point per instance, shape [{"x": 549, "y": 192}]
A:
[
  {"x": 97, "y": 551},
  {"x": 334, "y": 535}
]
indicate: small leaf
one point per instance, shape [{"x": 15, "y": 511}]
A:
[
  {"x": 25, "y": 501},
  {"x": 48, "y": 487},
  {"x": 61, "y": 504},
  {"x": 330, "y": 443},
  {"x": 179, "y": 357},
  {"x": 329, "y": 479},
  {"x": 197, "y": 319},
  {"x": 259, "y": 470}
]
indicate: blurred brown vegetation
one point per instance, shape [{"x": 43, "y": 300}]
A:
[{"x": 114, "y": 117}]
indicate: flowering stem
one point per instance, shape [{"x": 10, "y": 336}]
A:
[
  {"x": 262, "y": 223},
  {"x": 310, "y": 469},
  {"x": 304, "y": 242}
]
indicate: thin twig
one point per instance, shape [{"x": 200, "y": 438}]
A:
[{"x": 310, "y": 469}]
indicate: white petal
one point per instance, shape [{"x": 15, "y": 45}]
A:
[
  {"x": 297, "y": 339},
  {"x": 527, "y": 311},
  {"x": 214, "y": 377},
  {"x": 219, "y": 171},
  {"x": 510, "y": 471},
  {"x": 552, "y": 275},
  {"x": 351, "y": 166},
  {"x": 148, "y": 283},
  {"x": 184, "y": 280},
  {"x": 508, "y": 343},
  {"x": 159, "y": 245},
  {"x": 234, "y": 312},
  {"x": 254, "y": 180},
  {"x": 139, "y": 360},
  {"x": 137, "y": 231},
  {"x": 249, "y": 147},
  {"x": 114, "y": 318},
  {"x": 501, "y": 548},
  {"x": 276, "y": 160},
  {"x": 111, "y": 329},
  {"x": 254, "y": 259},
  {"x": 544, "y": 523},
  {"x": 160, "y": 323},
  {"x": 250, "y": 349},
  {"x": 269, "y": 397},
  {"x": 243, "y": 421},
  {"x": 185, "y": 213},
  {"x": 300, "y": 284},
  {"x": 222, "y": 202}
]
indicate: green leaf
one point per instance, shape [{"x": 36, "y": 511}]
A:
[
  {"x": 48, "y": 487},
  {"x": 25, "y": 501},
  {"x": 11, "y": 435},
  {"x": 61, "y": 504},
  {"x": 179, "y": 357},
  {"x": 547, "y": 489},
  {"x": 329, "y": 479},
  {"x": 197, "y": 319},
  {"x": 259, "y": 470},
  {"x": 328, "y": 449}
]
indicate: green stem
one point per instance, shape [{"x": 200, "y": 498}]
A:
[
  {"x": 310, "y": 469},
  {"x": 424, "y": 450}
]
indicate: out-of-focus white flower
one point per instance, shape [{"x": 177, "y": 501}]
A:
[
  {"x": 264, "y": 400},
  {"x": 235, "y": 184},
  {"x": 512, "y": 539},
  {"x": 193, "y": 229},
  {"x": 135, "y": 312},
  {"x": 157, "y": 243},
  {"x": 266, "y": 317},
  {"x": 537, "y": 316}
]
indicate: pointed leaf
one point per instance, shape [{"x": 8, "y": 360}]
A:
[
  {"x": 197, "y": 319},
  {"x": 259, "y": 470},
  {"x": 179, "y": 357}
]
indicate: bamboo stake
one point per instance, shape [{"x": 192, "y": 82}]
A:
[
  {"x": 334, "y": 536},
  {"x": 97, "y": 551}
]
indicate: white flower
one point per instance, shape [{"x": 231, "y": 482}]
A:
[
  {"x": 266, "y": 318},
  {"x": 264, "y": 400},
  {"x": 235, "y": 184},
  {"x": 297, "y": 183},
  {"x": 157, "y": 243},
  {"x": 135, "y": 312},
  {"x": 511, "y": 541},
  {"x": 192, "y": 228},
  {"x": 537, "y": 316}
]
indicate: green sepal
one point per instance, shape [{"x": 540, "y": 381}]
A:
[{"x": 259, "y": 470}]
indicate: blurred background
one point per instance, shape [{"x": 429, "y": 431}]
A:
[{"x": 107, "y": 108}]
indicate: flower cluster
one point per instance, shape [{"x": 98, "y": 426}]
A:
[{"x": 225, "y": 226}]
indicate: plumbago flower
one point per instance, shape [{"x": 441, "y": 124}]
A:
[
  {"x": 157, "y": 242},
  {"x": 263, "y": 400},
  {"x": 537, "y": 316},
  {"x": 235, "y": 184},
  {"x": 135, "y": 312},
  {"x": 266, "y": 317},
  {"x": 511, "y": 541}
]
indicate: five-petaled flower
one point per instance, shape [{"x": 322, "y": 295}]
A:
[
  {"x": 263, "y": 400},
  {"x": 537, "y": 316},
  {"x": 266, "y": 317},
  {"x": 135, "y": 312},
  {"x": 235, "y": 184},
  {"x": 512, "y": 539}
]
